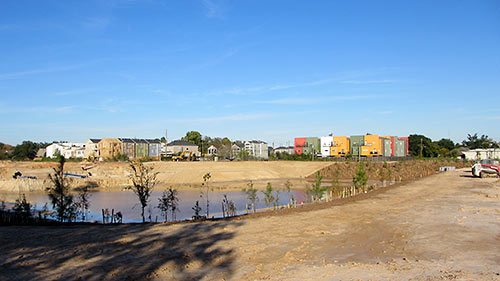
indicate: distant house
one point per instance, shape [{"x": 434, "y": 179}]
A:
[
  {"x": 41, "y": 153},
  {"x": 141, "y": 148},
  {"x": 235, "y": 149},
  {"x": 481, "y": 153},
  {"x": 109, "y": 148},
  {"x": 154, "y": 148},
  {"x": 285, "y": 149},
  {"x": 128, "y": 147},
  {"x": 66, "y": 149},
  {"x": 212, "y": 151},
  {"x": 257, "y": 149},
  {"x": 179, "y": 146},
  {"x": 91, "y": 149}
]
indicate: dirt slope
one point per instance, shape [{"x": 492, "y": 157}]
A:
[
  {"x": 115, "y": 175},
  {"x": 441, "y": 227}
]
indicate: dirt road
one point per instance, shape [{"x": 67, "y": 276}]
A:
[{"x": 442, "y": 227}]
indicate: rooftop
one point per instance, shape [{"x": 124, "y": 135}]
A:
[{"x": 180, "y": 142}]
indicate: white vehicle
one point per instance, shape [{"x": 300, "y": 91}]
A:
[{"x": 485, "y": 166}]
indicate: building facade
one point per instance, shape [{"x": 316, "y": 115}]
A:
[
  {"x": 179, "y": 146},
  {"x": 257, "y": 149},
  {"x": 91, "y": 148},
  {"x": 66, "y": 149},
  {"x": 109, "y": 148}
]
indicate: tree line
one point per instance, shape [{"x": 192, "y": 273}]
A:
[{"x": 422, "y": 146}]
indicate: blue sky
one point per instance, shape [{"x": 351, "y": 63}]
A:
[{"x": 270, "y": 70}]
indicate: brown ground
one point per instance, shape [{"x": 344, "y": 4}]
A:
[
  {"x": 113, "y": 176},
  {"x": 442, "y": 227}
]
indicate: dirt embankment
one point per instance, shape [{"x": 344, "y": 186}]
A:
[
  {"x": 389, "y": 171},
  {"x": 180, "y": 174}
]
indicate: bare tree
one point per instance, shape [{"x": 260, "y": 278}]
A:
[
  {"x": 143, "y": 181},
  {"x": 168, "y": 202},
  {"x": 83, "y": 201},
  {"x": 206, "y": 178}
]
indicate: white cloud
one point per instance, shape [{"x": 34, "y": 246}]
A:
[
  {"x": 308, "y": 100},
  {"x": 96, "y": 23},
  {"x": 234, "y": 117},
  {"x": 387, "y": 112},
  {"x": 212, "y": 9},
  {"x": 367, "y": 81},
  {"x": 14, "y": 75}
]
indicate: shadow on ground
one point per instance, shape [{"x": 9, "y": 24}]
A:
[{"x": 129, "y": 252}]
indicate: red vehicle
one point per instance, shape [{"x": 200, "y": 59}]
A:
[{"x": 485, "y": 166}]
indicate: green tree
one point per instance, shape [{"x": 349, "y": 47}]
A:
[
  {"x": 193, "y": 137},
  {"x": 268, "y": 195},
  {"x": 316, "y": 190},
  {"x": 446, "y": 143},
  {"x": 26, "y": 150},
  {"x": 59, "y": 194},
  {"x": 421, "y": 144},
  {"x": 143, "y": 181},
  {"x": 361, "y": 178},
  {"x": 251, "y": 193},
  {"x": 22, "y": 207},
  {"x": 244, "y": 155},
  {"x": 197, "y": 210},
  {"x": 4, "y": 148},
  {"x": 474, "y": 142},
  {"x": 335, "y": 185}
]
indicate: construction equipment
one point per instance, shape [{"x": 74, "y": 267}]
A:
[{"x": 184, "y": 156}]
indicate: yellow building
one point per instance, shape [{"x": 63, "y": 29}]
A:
[
  {"x": 109, "y": 147},
  {"x": 340, "y": 146},
  {"x": 372, "y": 146}
]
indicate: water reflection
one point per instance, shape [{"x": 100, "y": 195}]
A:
[{"x": 128, "y": 204}]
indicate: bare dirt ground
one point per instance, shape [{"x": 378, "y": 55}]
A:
[
  {"x": 114, "y": 176},
  {"x": 442, "y": 227}
]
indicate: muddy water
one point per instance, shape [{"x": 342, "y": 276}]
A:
[{"x": 128, "y": 204}]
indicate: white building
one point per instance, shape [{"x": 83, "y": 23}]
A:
[
  {"x": 212, "y": 151},
  {"x": 66, "y": 149},
  {"x": 257, "y": 149},
  {"x": 91, "y": 148},
  {"x": 326, "y": 144},
  {"x": 482, "y": 153}
]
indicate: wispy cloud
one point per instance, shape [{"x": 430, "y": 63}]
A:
[
  {"x": 213, "y": 9},
  {"x": 8, "y": 27},
  {"x": 286, "y": 86},
  {"x": 65, "y": 109},
  {"x": 14, "y": 75},
  {"x": 96, "y": 23},
  {"x": 234, "y": 117},
  {"x": 69, "y": 93},
  {"x": 309, "y": 100},
  {"x": 387, "y": 112},
  {"x": 212, "y": 61},
  {"x": 367, "y": 81}
]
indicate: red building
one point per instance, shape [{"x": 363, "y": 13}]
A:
[{"x": 299, "y": 144}]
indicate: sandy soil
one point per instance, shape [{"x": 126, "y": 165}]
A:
[
  {"x": 442, "y": 227},
  {"x": 114, "y": 176}
]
